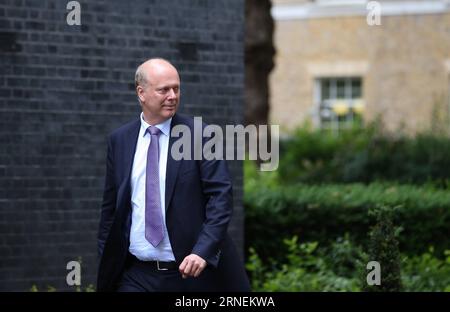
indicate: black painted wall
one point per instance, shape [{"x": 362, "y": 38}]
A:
[{"x": 64, "y": 88}]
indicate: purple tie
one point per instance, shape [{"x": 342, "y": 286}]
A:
[{"x": 154, "y": 228}]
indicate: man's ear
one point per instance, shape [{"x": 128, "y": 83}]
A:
[{"x": 140, "y": 93}]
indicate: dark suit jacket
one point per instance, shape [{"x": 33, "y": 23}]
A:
[{"x": 198, "y": 210}]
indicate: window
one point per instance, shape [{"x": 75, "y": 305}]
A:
[{"x": 339, "y": 102}]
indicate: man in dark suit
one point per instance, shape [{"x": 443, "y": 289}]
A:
[{"x": 164, "y": 222}]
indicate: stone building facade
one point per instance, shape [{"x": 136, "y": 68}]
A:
[{"x": 335, "y": 65}]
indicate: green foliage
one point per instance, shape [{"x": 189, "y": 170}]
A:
[
  {"x": 307, "y": 269},
  {"x": 89, "y": 288},
  {"x": 341, "y": 266},
  {"x": 255, "y": 178},
  {"x": 426, "y": 272},
  {"x": 49, "y": 288},
  {"x": 325, "y": 212},
  {"x": 364, "y": 155},
  {"x": 324, "y": 189},
  {"x": 384, "y": 249}
]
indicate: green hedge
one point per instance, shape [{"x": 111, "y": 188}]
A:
[
  {"x": 364, "y": 155},
  {"x": 324, "y": 212},
  {"x": 341, "y": 266}
]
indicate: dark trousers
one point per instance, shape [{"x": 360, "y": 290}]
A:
[{"x": 140, "y": 276}]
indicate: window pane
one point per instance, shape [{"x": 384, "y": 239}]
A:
[
  {"x": 356, "y": 88},
  {"x": 340, "y": 88},
  {"x": 325, "y": 89}
]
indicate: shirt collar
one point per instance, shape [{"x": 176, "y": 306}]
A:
[{"x": 164, "y": 126}]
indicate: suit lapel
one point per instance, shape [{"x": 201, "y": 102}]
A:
[
  {"x": 128, "y": 143},
  {"x": 172, "y": 165},
  {"x": 130, "y": 146}
]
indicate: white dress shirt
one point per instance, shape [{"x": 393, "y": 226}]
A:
[{"x": 139, "y": 246}]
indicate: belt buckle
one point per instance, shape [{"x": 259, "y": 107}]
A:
[{"x": 160, "y": 269}]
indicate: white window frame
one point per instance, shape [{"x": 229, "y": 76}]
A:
[{"x": 325, "y": 106}]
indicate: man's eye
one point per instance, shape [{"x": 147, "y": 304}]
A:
[{"x": 165, "y": 90}]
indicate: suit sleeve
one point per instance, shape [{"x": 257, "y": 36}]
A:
[
  {"x": 109, "y": 200},
  {"x": 217, "y": 189}
]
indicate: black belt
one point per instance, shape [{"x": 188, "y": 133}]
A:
[{"x": 157, "y": 265}]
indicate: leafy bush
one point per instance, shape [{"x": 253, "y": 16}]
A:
[
  {"x": 426, "y": 272},
  {"x": 324, "y": 212},
  {"x": 307, "y": 269},
  {"x": 324, "y": 188},
  {"x": 364, "y": 155},
  {"x": 383, "y": 248},
  {"x": 341, "y": 266}
]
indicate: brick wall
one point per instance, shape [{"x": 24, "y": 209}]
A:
[{"x": 64, "y": 88}]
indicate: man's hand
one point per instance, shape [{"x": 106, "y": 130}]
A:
[{"x": 192, "y": 266}]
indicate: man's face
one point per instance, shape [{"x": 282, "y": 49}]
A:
[{"x": 161, "y": 95}]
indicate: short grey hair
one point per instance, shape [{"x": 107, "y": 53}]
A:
[{"x": 140, "y": 79}]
